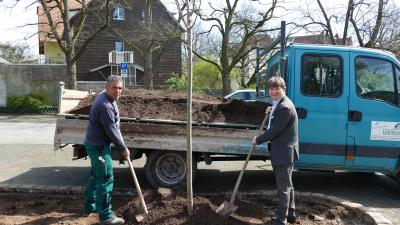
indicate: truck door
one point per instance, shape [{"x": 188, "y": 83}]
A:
[
  {"x": 374, "y": 113},
  {"x": 320, "y": 96}
]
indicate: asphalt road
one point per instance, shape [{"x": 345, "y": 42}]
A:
[{"x": 27, "y": 157}]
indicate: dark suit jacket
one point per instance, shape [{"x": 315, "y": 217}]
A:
[{"x": 283, "y": 134}]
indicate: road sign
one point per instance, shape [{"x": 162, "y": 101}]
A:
[
  {"x": 124, "y": 69},
  {"x": 124, "y": 66},
  {"x": 124, "y": 73}
]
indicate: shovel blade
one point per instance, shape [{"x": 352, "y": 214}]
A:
[{"x": 226, "y": 209}]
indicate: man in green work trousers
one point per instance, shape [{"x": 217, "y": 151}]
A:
[{"x": 103, "y": 130}]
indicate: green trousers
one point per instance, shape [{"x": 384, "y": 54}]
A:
[{"x": 97, "y": 197}]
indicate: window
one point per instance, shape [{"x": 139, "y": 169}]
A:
[
  {"x": 321, "y": 75},
  {"x": 262, "y": 85},
  {"x": 239, "y": 95},
  {"x": 118, "y": 13},
  {"x": 119, "y": 46},
  {"x": 374, "y": 79},
  {"x": 252, "y": 96},
  {"x": 142, "y": 15},
  {"x": 273, "y": 70}
]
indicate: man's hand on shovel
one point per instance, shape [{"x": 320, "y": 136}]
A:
[{"x": 125, "y": 154}]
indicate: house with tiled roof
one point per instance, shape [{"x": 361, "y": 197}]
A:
[
  {"x": 104, "y": 54},
  {"x": 47, "y": 43}
]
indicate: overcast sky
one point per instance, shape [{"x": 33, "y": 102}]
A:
[
  {"x": 18, "y": 16},
  {"x": 23, "y": 13}
]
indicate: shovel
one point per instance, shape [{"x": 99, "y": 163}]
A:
[
  {"x": 138, "y": 217},
  {"x": 227, "y": 208}
]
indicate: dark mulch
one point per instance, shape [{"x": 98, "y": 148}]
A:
[
  {"x": 171, "y": 105},
  {"x": 30, "y": 209}
]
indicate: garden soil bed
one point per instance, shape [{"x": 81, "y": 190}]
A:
[
  {"x": 171, "y": 105},
  {"x": 36, "y": 209}
]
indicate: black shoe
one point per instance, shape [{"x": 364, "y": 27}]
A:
[
  {"x": 275, "y": 221},
  {"x": 291, "y": 219}
]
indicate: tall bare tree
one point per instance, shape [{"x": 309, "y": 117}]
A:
[
  {"x": 190, "y": 6},
  {"x": 366, "y": 28},
  {"x": 68, "y": 32},
  {"x": 323, "y": 19},
  {"x": 367, "y": 19},
  {"x": 234, "y": 27},
  {"x": 389, "y": 38}
]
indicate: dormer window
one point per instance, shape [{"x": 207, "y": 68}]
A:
[
  {"x": 118, "y": 13},
  {"x": 119, "y": 46},
  {"x": 142, "y": 15}
]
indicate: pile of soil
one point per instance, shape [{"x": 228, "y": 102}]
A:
[
  {"x": 33, "y": 209},
  {"x": 171, "y": 105}
]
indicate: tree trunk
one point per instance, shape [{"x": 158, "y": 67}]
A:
[
  {"x": 349, "y": 12},
  {"x": 148, "y": 70},
  {"x": 378, "y": 24},
  {"x": 226, "y": 82},
  {"x": 189, "y": 155},
  {"x": 148, "y": 52},
  {"x": 71, "y": 71}
]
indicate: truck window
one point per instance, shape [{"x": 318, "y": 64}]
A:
[
  {"x": 374, "y": 79},
  {"x": 262, "y": 86},
  {"x": 321, "y": 75},
  {"x": 272, "y": 70}
]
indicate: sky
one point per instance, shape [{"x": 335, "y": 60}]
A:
[{"x": 13, "y": 16}]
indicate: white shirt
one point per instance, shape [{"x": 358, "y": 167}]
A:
[{"x": 274, "y": 104}]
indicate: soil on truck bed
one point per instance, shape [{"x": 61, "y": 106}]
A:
[
  {"x": 31, "y": 209},
  {"x": 171, "y": 105}
]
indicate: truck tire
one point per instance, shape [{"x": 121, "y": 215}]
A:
[{"x": 168, "y": 169}]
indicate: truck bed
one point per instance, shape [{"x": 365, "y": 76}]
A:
[{"x": 146, "y": 134}]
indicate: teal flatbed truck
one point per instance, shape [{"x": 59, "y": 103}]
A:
[
  {"x": 347, "y": 100},
  {"x": 348, "y": 104}
]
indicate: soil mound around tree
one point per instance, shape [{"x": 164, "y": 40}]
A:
[
  {"x": 172, "y": 210},
  {"x": 171, "y": 105},
  {"x": 38, "y": 209}
]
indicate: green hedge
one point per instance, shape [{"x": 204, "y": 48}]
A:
[{"x": 27, "y": 104}]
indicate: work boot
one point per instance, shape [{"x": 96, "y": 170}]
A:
[
  {"x": 114, "y": 220},
  {"x": 291, "y": 219}
]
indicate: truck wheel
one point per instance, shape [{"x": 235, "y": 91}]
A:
[{"x": 168, "y": 169}]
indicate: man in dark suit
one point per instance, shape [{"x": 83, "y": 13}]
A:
[{"x": 282, "y": 133}]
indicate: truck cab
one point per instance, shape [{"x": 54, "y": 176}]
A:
[{"x": 348, "y": 104}]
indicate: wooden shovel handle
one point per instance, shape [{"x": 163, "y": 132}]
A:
[
  {"x": 137, "y": 187},
  {"x": 247, "y": 161}
]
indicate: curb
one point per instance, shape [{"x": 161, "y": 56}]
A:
[{"x": 361, "y": 210}]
